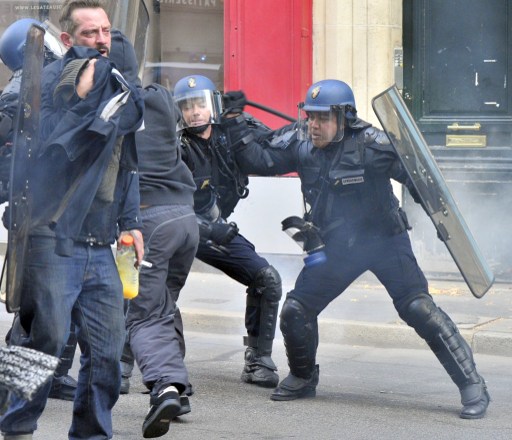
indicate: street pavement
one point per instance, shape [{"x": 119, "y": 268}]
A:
[
  {"x": 363, "y": 315},
  {"x": 378, "y": 378}
]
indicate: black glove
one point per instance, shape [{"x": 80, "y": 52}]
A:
[
  {"x": 5, "y": 216},
  {"x": 218, "y": 233},
  {"x": 234, "y": 102},
  {"x": 223, "y": 233}
]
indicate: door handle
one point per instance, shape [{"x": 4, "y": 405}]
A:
[{"x": 455, "y": 126}]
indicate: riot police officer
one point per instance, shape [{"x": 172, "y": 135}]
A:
[
  {"x": 345, "y": 166},
  {"x": 12, "y": 43},
  {"x": 220, "y": 185}
]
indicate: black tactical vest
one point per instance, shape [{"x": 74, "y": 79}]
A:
[
  {"x": 216, "y": 174},
  {"x": 342, "y": 192}
]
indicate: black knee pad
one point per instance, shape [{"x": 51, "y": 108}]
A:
[
  {"x": 263, "y": 298},
  {"x": 296, "y": 323},
  {"x": 421, "y": 313},
  {"x": 267, "y": 282}
]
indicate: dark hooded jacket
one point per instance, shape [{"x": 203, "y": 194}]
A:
[
  {"x": 85, "y": 146},
  {"x": 164, "y": 177}
]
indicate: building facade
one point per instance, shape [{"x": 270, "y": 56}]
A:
[{"x": 451, "y": 60}]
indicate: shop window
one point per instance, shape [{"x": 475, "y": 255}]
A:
[{"x": 187, "y": 37}]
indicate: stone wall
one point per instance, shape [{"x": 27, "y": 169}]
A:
[{"x": 354, "y": 41}]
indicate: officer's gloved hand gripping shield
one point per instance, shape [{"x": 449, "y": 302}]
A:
[{"x": 432, "y": 190}]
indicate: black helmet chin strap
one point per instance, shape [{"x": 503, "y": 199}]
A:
[{"x": 197, "y": 130}]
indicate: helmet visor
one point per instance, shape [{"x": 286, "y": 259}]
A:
[
  {"x": 199, "y": 108},
  {"x": 54, "y": 48},
  {"x": 321, "y": 127}
]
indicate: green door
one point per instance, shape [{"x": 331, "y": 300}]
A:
[
  {"x": 457, "y": 70},
  {"x": 457, "y": 85}
]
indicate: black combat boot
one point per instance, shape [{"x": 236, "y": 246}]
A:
[
  {"x": 293, "y": 387},
  {"x": 259, "y": 370},
  {"x": 475, "y": 400}
]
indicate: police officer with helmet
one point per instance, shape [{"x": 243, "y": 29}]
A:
[
  {"x": 220, "y": 185},
  {"x": 345, "y": 166},
  {"x": 12, "y": 46}
]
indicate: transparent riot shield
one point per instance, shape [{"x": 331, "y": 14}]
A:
[
  {"x": 431, "y": 187},
  {"x": 26, "y": 134}
]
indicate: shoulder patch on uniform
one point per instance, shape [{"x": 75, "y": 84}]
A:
[
  {"x": 373, "y": 134},
  {"x": 284, "y": 140},
  {"x": 382, "y": 138},
  {"x": 370, "y": 134}
]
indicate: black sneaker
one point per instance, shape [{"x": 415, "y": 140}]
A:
[
  {"x": 163, "y": 408},
  {"x": 185, "y": 406},
  {"x": 63, "y": 388}
]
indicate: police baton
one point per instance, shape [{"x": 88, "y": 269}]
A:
[{"x": 271, "y": 111}]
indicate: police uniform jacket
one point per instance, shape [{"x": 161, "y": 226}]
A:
[
  {"x": 346, "y": 185},
  {"x": 218, "y": 179}
]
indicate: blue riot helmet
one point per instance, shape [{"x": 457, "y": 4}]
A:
[
  {"x": 326, "y": 101},
  {"x": 199, "y": 101},
  {"x": 12, "y": 43}
]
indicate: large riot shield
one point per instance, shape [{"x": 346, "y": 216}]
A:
[
  {"x": 431, "y": 187},
  {"x": 25, "y": 142}
]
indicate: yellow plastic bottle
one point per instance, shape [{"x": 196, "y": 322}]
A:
[{"x": 125, "y": 260}]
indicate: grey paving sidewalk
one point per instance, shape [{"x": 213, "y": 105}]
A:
[{"x": 363, "y": 315}]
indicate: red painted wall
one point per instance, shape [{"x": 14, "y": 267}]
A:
[{"x": 268, "y": 53}]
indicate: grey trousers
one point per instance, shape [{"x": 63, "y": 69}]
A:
[{"x": 171, "y": 237}]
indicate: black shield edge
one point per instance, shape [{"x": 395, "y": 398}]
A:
[{"x": 25, "y": 142}]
